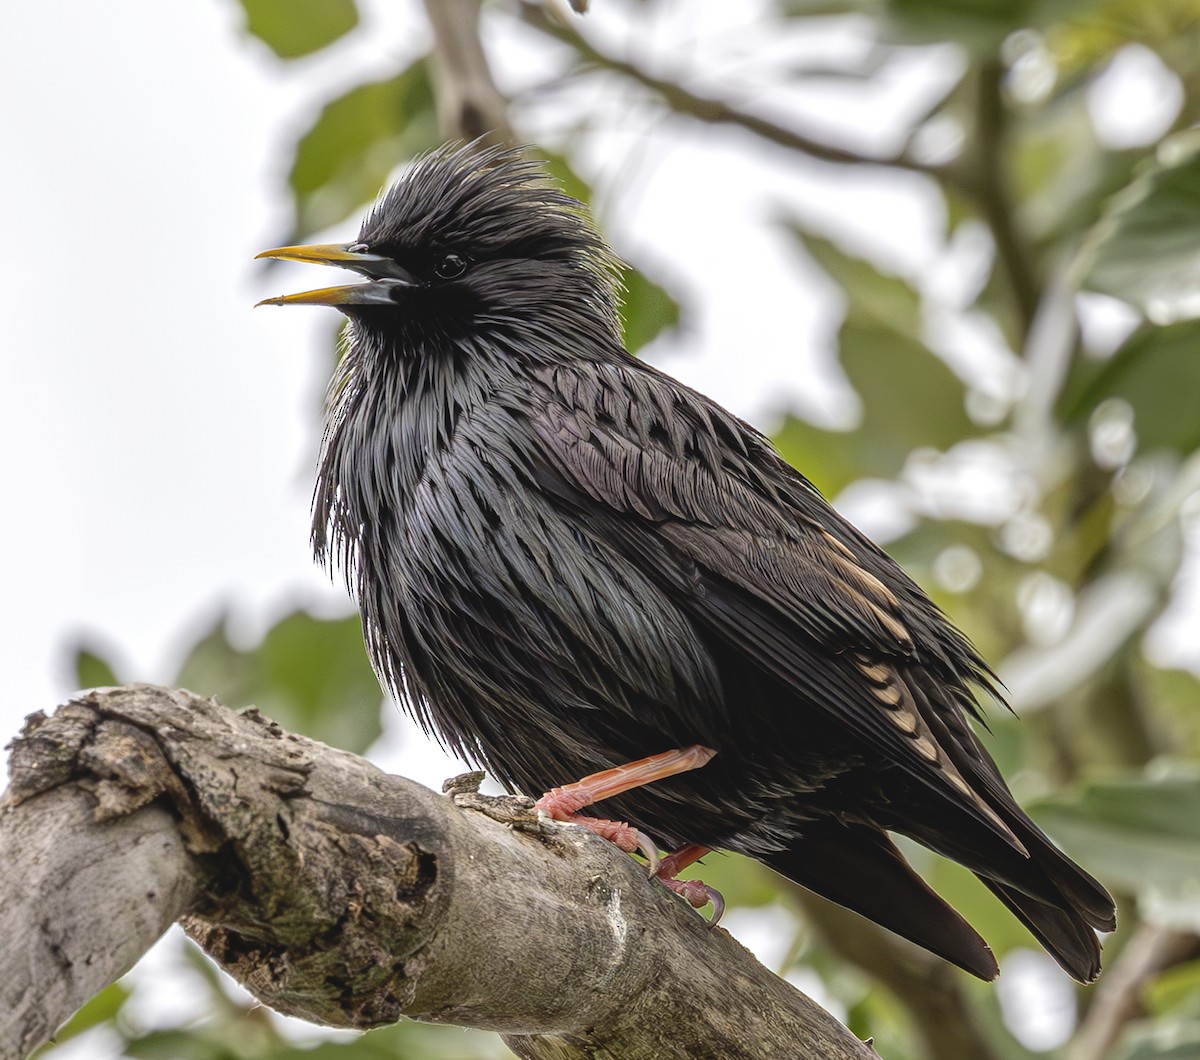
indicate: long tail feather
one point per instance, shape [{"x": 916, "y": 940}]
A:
[{"x": 860, "y": 868}]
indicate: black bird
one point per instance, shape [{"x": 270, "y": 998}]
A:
[{"x": 566, "y": 560}]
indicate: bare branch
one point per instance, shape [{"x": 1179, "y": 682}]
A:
[
  {"x": 993, "y": 195},
  {"x": 469, "y": 103},
  {"x": 67, "y": 882},
  {"x": 708, "y": 109},
  {"x": 351, "y": 898},
  {"x": 1118, "y": 999},
  {"x": 930, "y": 988}
]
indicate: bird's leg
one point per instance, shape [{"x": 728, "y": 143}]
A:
[
  {"x": 563, "y": 804},
  {"x": 697, "y": 893},
  {"x": 604, "y": 785}
]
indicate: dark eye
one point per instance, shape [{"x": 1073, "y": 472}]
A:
[{"x": 450, "y": 266}]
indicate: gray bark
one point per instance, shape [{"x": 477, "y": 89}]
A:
[{"x": 351, "y": 898}]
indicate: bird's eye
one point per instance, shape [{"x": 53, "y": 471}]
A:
[{"x": 450, "y": 266}]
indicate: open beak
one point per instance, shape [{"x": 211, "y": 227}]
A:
[{"x": 384, "y": 276}]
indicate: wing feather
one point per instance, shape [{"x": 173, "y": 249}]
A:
[{"x": 755, "y": 556}]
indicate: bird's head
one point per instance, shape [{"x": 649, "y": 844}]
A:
[{"x": 468, "y": 243}]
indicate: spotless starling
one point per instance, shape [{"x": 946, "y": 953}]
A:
[{"x": 567, "y": 561}]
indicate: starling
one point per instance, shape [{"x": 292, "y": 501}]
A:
[{"x": 567, "y": 561}]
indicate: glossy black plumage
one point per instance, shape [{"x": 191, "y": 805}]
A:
[{"x": 566, "y": 560}]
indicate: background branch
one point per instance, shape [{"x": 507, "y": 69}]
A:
[
  {"x": 1151, "y": 950},
  {"x": 709, "y": 109},
  {"x": 469, "y": 103},
  {"x": 990, "y": 189},
  {"x": 930, "y": 989}
]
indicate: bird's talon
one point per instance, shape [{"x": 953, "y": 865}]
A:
[
  {"x": 718, "y": 904},
  {"x": 649, "y": 851}
]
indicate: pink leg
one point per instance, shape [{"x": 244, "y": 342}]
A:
[
  {"x": 563, "y": 804},
  {"x": 604, "y": 785}
]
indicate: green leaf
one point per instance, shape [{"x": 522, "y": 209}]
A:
[
  {"x": 92, "y": 671},
  {"x": 1171, "y": 695},
  {"x": 1140, "y": 833},
  {"x": 1146, "y": 247},
  {"x": 1169, "y": 28},
  {"x": 1157, "y": 371},
  {"x": 1161, "y": 1040},
  {"x": 742, "y": 882},
  {"x": 1062, "y": 175},
  {"x": 1175, "y": 990},
  {"x": 823, "y": 8},
  {"x": 347, "y": 155},
  {"x": 647, "y": 310},
  {"x": 179, "y": 1045},
  {"x": 292, "y": 28},
  {"x": 558, "y": 167},
  {"x": 910, "y": 397},
  {"x": 875, "y": 301},
  {"x": 100, "y": 1009},
  {"x": 309, "y": 674}
]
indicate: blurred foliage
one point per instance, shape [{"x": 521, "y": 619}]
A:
[
  {"x": 309, "y": 674},
  {"x": 294, "y": 28},
  {"x": 1141, "y": 833},
  {"x": 882, "y": 313},
  {"x": 345, "y": 158},
  {"x": 1080, "y": 457},
  {"x": 1145, "y": 244},
  {"x": 92, "y": 671}
]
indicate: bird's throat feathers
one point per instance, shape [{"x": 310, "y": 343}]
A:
[{"x": 395, "y": 409}]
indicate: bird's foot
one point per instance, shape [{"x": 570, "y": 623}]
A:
[
  {"x": 622, "y": 835},
  {"x": 564, "y": 804},
  {"x": 695, "y": 892},
  {"x": 698, "y": 894}
]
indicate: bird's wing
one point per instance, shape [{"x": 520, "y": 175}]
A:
[{"x": 753, "y": 553}]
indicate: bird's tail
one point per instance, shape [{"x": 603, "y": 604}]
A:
[
  {"x": 860, "y": 868},
  {"x": 1058, "y": 901}
]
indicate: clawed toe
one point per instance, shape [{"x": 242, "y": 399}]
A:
[
  {"x": 698, "y": 894},
  {"x": 620, "y": 834},
  {"x": 649, "y": 851}
]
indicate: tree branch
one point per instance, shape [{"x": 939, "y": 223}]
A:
[
  {"x": 66, "y": 883},
  {"x": 469, "y": 103},
  {"x": 994, "y": 196},
  {"x": 708, "y": 109},
  {"x": 1118, "y": 1000},
  {"x": 930, "y": 988},
  {"x": 351, "y": 898}
]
